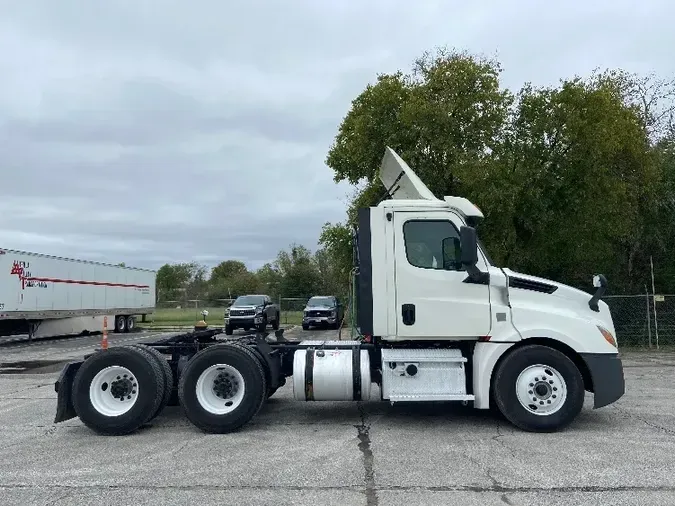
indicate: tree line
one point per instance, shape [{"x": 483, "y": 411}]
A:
[
  {"x": 296, "y": 272},
  {"x": 573, "y": 179}
]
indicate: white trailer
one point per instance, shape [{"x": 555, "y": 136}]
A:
[
  {"x": 45, "y": 296},
  {"x": 438, "y": 321}
]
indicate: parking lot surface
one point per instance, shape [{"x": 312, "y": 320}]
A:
[{"x": 370, "y": 453}]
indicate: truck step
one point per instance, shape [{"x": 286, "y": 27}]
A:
[{"x": 430, "y": 397}]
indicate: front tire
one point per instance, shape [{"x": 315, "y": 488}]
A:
[
  {"x": 222, "y": 388},
  {"x": 275, "y": 323},
  {"x": 538, "y": 389},
  {"x": 228, "y": 329}
]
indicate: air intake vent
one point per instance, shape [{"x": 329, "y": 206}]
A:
[{"x": 528, "y": 284}]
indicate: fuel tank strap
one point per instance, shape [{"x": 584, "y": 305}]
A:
[
  {"x": 309, "y": 374},
  {"x": 356, "y": 372}
]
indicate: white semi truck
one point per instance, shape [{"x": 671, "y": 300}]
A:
[
  {"x": 46, "y": 296},
  {"x": 437, "y": 321}
]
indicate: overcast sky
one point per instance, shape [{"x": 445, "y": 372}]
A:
[{"x": 164, "y": 131}]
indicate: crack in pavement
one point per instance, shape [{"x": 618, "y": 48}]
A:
[
  {"x": 364, "y": 446},
  {"x": 503, "y": 489},
  {"x": 653, "y": 425},
  {"x": 497, "y": 439}
]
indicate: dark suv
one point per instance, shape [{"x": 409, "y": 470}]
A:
[
  {"x": 249, "y": 311},
  {"x": 322, "y": 311}
]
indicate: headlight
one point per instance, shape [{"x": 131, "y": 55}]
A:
[
  {"x": 607, "y": 335},
  {"x": 259, "y": 309}
]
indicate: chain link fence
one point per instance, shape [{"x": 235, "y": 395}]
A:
[
  {"x": 643, "y": 321},
  {"x": 186, "y": 313}
]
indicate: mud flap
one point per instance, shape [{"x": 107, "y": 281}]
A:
[{"x": 64, "y": 388}]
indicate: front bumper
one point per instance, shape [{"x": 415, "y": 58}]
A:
[
  {"x": 319, "y": 320},
  {"x": 243, "y": 321},
  {"x": 606, "y": 376}
]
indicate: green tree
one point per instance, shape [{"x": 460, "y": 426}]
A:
[
  {"x": 228, "y": 269},
  {"x": 270, "y": 278},
  {"x": 299, "y": 275},
  {"x": 180, "y": 281},
  {"x": 232, "y": 278},
  {"x": 573, "y": 179},
  {"x": 446, "y": 119}
]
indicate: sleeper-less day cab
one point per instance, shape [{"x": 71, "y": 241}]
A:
[{"x": 439, "y": 322}]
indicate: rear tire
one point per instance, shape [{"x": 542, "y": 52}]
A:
[
  {"x": 222, "y": 388},
  {"x": 538, "y": 389},
  {"x": 130, "y": 323},
  {"x": 166, "y": 370},
  {"x": 267, "y": 373},
  {"x": 118, "y": 390},
  {"x": 120, "y": 324}
]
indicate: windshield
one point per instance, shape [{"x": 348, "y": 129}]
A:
[
  {"x": 248, "y": 300},
  {"x": 321, "y": 301}
]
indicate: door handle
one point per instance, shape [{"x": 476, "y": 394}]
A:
[{"x": 408, "y": 314}]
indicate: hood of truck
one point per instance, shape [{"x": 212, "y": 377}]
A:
[{"x": 556, "y": 297}]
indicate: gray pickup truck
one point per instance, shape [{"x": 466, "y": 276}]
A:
[
  {"x": 248, "y": 311},
  {"x": 322, "y": 311}
]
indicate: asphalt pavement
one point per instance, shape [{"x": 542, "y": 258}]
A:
[{"x": 368, "y": 453}]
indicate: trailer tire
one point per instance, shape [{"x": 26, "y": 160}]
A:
[
  {"x": 130, "y": 323},
  {"x": 168, "y": 375},
  {"x": 94, "y": 401},
  {"x": 240, "y": 380},
  {"x": 120, "y": 324},
  {"x": 538, "y": 389}
]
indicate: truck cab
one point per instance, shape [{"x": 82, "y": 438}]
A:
[{"x": 426, "y": 281}]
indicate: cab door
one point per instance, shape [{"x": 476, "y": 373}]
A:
[{"x": 434, "y": 296}]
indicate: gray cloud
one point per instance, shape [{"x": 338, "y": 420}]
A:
[{"x": 152, "y": 132}]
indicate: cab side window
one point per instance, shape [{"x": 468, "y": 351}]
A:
[{"x": 432, "y": 244}]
